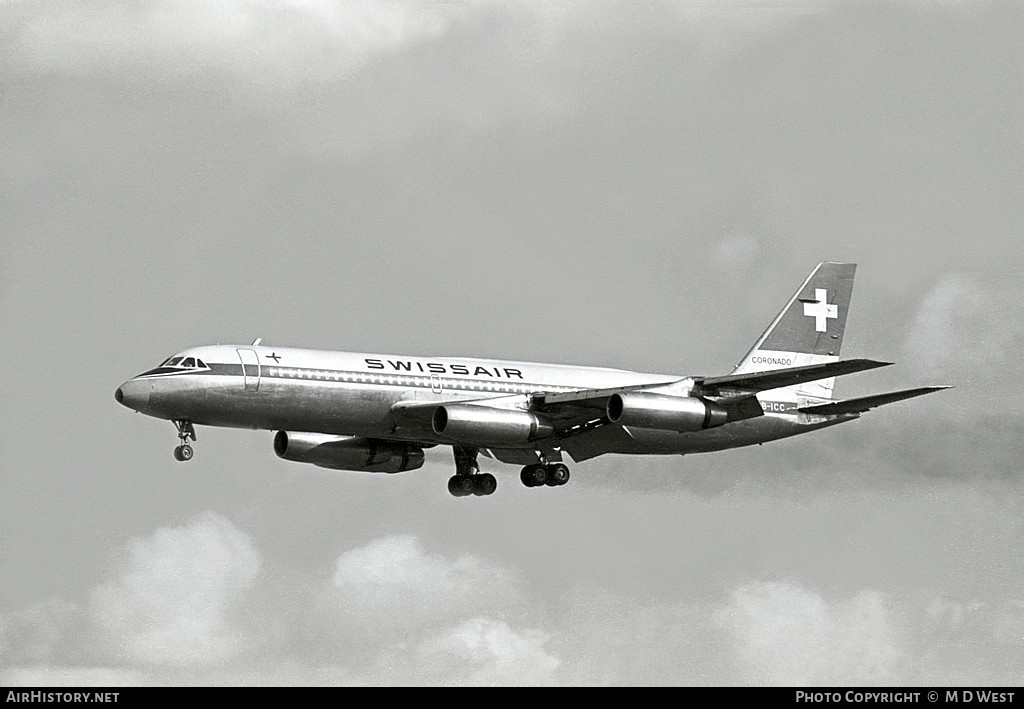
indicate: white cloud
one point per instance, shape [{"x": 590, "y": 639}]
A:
[
  {"x": 964, "y": 326},
  {"x": 174, "y": 596},
  {"x": 610, "y": 638},
  {"x": 960, "y": 641},
  {"x": 944, "y": 613},
  {"x": 392, "y": 613},
  {"x": 484, "y": 651},
  {"x": 395, "y": 578},
  {"x": 319, "y": 40},
  {"x": 788, "y": 635},
  {"x": 298, "y": 40},
  {"x": 42, "y": 632},
  {"x": 738, "y": 250},
  {"x": 48, "y": 676}
]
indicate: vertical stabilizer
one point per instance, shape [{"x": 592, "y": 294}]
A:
[{"x": 809, "y": 330}]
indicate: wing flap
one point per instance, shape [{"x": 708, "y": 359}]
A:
[
  {"x": 866, "y": 403},
  {"x": 591, "y": 442},
  {"x": 790, "y": 376},
  {"x": 573, "y": 412},
  {"x": 587, "y": 398}
]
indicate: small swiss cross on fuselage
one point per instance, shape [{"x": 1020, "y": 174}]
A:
[
  {"x": 274, "y": 356},
  {"x": 821, "y": 310}
]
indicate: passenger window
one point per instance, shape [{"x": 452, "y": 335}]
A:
[{"x": 189, "y": 362}]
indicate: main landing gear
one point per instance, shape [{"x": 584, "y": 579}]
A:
[
  {"x": 538, "y": 474},
  {"x": 468, "y": 480},
  {"x": 186, "y": 431}
]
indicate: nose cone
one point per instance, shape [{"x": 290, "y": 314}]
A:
[{"x": 134, "y": 394}]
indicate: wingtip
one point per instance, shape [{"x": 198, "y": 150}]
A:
[{"x": 871, "y": 363}]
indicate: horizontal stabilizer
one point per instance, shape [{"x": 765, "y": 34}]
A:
[
  {"x": 790, "y": 376},
  {"x": 864, "y": 403}
]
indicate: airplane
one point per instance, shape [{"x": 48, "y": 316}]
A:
[{"x": 377, "y": 413}]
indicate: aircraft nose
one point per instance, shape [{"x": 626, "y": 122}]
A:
[{"x": 133, "y": 394}]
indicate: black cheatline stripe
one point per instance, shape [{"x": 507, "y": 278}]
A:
[{"x": 170, "y": 372}]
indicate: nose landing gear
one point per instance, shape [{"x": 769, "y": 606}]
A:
[{"x": 186, "y": 431}]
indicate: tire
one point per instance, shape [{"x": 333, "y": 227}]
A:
[
  {"x": 484, "y": 484},
  {"x": 186, "y": 453},
  {"x": 524, "y": 476},
  {"x": 177, "y": 453},
  {"x": 460, "y": 485},
  {"x": 558, "y": 475},
  {"x": 453, "y": 487},
  {"x": 534, "y": 475}
]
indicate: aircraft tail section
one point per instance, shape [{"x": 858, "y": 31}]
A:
[{"x": 808, "y": 330}]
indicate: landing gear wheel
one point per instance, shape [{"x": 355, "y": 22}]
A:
[
  {"x": 484, "y": 484},
  {"x": 467, "y": 479},
  {"x": 558, "y": 475},
  {"x": 461, "y": 485},
  {"x": 186, "y": 432},
  {"x": 534, "y": 475},
  {"x": 524, "y": 476}
]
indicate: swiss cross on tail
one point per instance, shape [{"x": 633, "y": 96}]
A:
[{"x": 821, "y": 310}]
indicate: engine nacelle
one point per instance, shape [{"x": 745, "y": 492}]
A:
[
  {"x": 348, "y": 452},
  {"x": 665, "y": 413},
  {"x": 488, "y": 426}
]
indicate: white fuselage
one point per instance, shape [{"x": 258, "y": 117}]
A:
[{"x": 345, "y": 393}]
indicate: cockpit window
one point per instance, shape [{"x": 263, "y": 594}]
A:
[{"x": 185, "y": 363}]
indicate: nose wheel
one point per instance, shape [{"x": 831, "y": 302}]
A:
[{"x": 186, "y": 432}]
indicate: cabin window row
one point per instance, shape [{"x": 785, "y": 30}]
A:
[{"x": 425, "y": 382}]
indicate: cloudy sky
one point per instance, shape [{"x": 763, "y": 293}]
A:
[{"x": 638, "y": 185}]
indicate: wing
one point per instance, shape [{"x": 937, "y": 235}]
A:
[
  {"x": 580, "y": 422},
  {"x": 574, "y": 413},
  {"x": 778, "y": 378},
  {"x": 732, "y": 390},
  {"x": 866, "y": 403}
]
